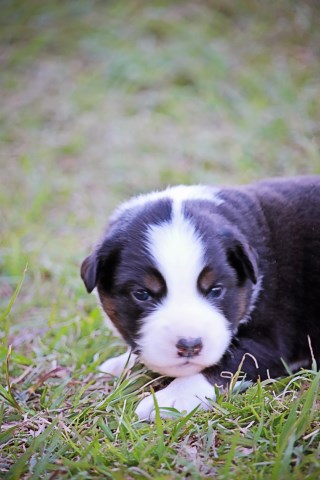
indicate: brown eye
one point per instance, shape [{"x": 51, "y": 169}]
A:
[{"x": 141, "y": 295}]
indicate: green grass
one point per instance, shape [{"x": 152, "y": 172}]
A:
[{"x": 101, "y": 100}]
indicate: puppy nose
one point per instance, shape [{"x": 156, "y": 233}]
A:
[{"x": 189, "y": 347}]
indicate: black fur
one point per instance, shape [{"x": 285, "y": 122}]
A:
[
  {"x": 268, "y": 232},
  {"x": 281, "y": 220}
]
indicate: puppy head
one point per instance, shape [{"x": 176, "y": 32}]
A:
[{"x": 174, "y": 279}]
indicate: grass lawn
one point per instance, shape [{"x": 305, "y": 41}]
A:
[{"x": 101, "y": 100}]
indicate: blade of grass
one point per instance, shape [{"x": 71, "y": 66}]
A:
[
  {"x": 4, "y": 315},
  {"x": 161, "y": 446},
  {"x": 7, "y": 434},
  {"x": 15, "y": 473},
  {"x": 294, "y": 427},
  {"x": 14, "y": 402},
  {"x": 106, "y": 430},
  {"x": 180, "y": 424},
  {"x": 230, "y": 455},
  {"x": 6, "y": 396}
]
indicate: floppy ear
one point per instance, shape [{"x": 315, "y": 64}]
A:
[
  {"x": 243, "y": 259},
  {"x": 241, "y": 256},
  {"x": 100, "y": 266},
  {"x": 89, "y": 270}
]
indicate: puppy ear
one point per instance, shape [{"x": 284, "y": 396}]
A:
[
  {"x": 99, "y": 267},
  {"x": 241, "y": 256},
  {"x": 89, "y": 269},
  {"x": 243, "y": 259}
]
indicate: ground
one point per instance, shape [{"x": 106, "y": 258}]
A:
[{"x": 101, "y": 100}]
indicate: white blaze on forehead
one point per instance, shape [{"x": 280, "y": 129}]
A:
[
  {"x": 178, "y": 253},
  {"x": 178, "y": 194}
]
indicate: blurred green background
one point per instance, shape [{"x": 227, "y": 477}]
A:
[
  {"x": 101, "y": 100},
  {"x": 104, "y": 99}
]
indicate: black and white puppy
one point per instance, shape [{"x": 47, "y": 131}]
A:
[{"x": 195, "y": 277}]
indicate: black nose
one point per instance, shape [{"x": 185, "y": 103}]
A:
[{"x": 189, "y": 347}]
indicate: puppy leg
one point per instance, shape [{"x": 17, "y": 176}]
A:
[
  {"x": 184, "y": 394},
  {"x": 255, "y": 359},
  {"x": 115, "y": 366}
]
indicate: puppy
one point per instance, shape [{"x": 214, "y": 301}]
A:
[{"x": 194, "y": 278}]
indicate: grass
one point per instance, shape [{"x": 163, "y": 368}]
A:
[{"x": 101, "y": 100}]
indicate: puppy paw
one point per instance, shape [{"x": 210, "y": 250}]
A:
[
  {"x": 183, "y": 394},
  {"x": 115, "y": 366}
]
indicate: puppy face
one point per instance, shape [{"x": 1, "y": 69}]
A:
[{"x": 174, "y": 279}]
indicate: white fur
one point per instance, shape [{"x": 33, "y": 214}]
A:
[
  {"x": 183, "y": 394},
  {"x": 115, "y": 365},
  {"x": 254, "y": 297},
  {"x": 178, "y": 253},
  {"x": 295, "y": 366},
  {"x": 178, "y": 194}
]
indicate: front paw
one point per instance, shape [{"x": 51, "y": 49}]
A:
[
  {"x": 115, "y": 366},
  {"x": 183, "y": 394}
]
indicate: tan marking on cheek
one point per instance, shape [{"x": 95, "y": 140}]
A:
[
  {"x": 206, "y": 280},
  {"x": 153, "y": 284},
  {"x": 242, "y": 304},
  {"x": 109, "y": 308}
]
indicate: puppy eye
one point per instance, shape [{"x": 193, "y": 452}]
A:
[
  {"x": 217, "y": 291},
  {"x": 141, "y": 295}
]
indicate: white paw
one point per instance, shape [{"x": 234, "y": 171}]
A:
[
  {"x": 183, "y": 394},
  {"x": 115, "y": 366}
]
